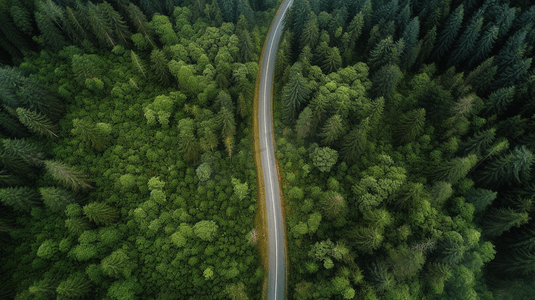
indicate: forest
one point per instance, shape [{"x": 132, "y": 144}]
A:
[
  {"x": 405, "y": 137},
  {"x": 126, "y": 165}
]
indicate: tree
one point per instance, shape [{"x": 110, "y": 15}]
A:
[
  {"x": 117, "y": 264},
  {"x": 499, "y": 100},
  {"x": 240, "y": 189},
  {"x": 22, "y": 151},
  {"x": 449, "y": 32},
  {"x": 188, "y": 144},
  {"x": 466, "y": 43},
  {"x": 311, "y": 32},
  {"x": 52, "y": 35},
  {"x": 37, "y": 122},
  {"x": 484, "y": 46},
  {"x": 405, "y": 262},
  {"x": 236, "y": 291},
  {"x": 332, "y": 205},
  {"x": 455, "y": 169},
  {"x": 410, "y": 39},
  {"x": 77, "y": 225},
  {"x": 382, "y": 280},
  {"x": 20, "y": 198},
  {"x": 332, "y": 60},
  {"x": 332, "y": 130},
  {"x": 480, "y": 198},
  {"x": 427, "y": 46},
  {"x": 452, "y": 248},
  {"x": 304, "y": 124},
  {"x": 56, "y": 199},
  {"x": 137, "y": 63},
  {"x": 43, "y": 288},
  {"x": 75, "y": 286},
  {"x": 437, "y": 274},
  {"x": 95, "y": 135},
  {"x": 386, "y": 52},
  {"x": 101, "y": 213},
  {"x": 116, "y": 23},
  {"x": 159, "y": 67},
  {"x": 367, "y": 239},
  {"x": 140, "y": 21},
  {"x": 294, "y": 94},
  {"x": 480, "y": 142},
  {"x": 67, "y": 175},
  {"x": 355, "y": 142},
  {"x": 205, "y": 230},
  {"x": 246, "y": 46},
  {"x": 385, "y": 81},
  {"x": 100, "y": 25},
  {"x": 482, "y": 77},
  {"x": 204, "y": 171},
  {"x": 324, "y": 158},
  {"x": 500, "y": 220},
  {"x": 513, "y": 167},
  {"x": 411, "y": 125}
]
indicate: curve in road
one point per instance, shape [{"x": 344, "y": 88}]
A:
[{"x": 276, "y": 241}]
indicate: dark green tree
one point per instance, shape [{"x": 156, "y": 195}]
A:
[
  {"x": 480, "y": 142},
  {"x": 20, "y": 198},
  {"x": 332, "y": 130},
  {"x": 427, "y": 46},
  {"x": 452, "y": 248},
  {"x": 100, "y": 25},
  {"x": 481, "y": 78},
  {"x": 21, "y": 17},
  {"x": 43, "y": 288},
  {"x": 76, "y": 286},
  {"x": 311, "y": 32},
  {"x": 410, "y": 40},
  {"x": 509, "y": 168},
  {"x": 324, "y": 158},
  {"x": 23, "y": 150},
  {"x": 36, "y": 96},
  {"x": 484, "y": 46},
  {"x": 295, "y": 94},
  {"x": 56, "y": 199},
  {"x": 385, "y": 81},
  {"x": 116, "y": 23},
  {"x": 386, "y": 52},
  {"x": 188, "y": 146},
  {"x": 367, "y": 239},
  {"x": 332, "y": 60},
  {"x": 246, "y": 46},
  {"x": 500, "y": 220},
  {"x": 76, "y": 225},
  {"x": 500, "y": 100},
  {"x": 466, "y": 44},
  {"x": 382, "y": 280},
  {"x": 411, "y": 125},
  {"x": 355, "y": 142},
  {"x": 101, "y": 213},
  {"x": 117, "y": 264},
  {"x": 94, "y": 135},
  {"x": 37, "y": 122},
  {"x": 159, "y": 67},
  {"x": 480, "y": 198},
  {"x": 305, "y": 123},
  {"x": 449, "y": 32},
  {"x": 332, "y": 205},
  {"x": 139, "y": 20},
  {"x": 52, "y": 35},
  {"x": 455, "y": 169},
  {"x": 67, "y": 175}
]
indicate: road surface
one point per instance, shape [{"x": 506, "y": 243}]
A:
[{"x": 277, "y": 260}]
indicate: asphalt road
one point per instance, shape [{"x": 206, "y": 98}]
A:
[{"x": 277, "y": 260}]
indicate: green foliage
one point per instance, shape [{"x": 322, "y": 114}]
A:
[
  {"x": 240, "y": 189},
  {"x": 161, "y": 109},
  {"x": 19, "y": 198},
  {"x": 205, "y": 230},
  {"x": 295, "y": 94},
  {"x": 37, "y": 122},
  {"x": 117, "y": 264},
  {"x": 411, "y": 125},
  {"x": 47, "y": 250},
  {"x": 66, "y": 175},
  {"x": 324, "y": 158},
  {"x": 95, "y": 135},
  {"x": 204, "y": 172},
  {"x": 501, "y": 220},
  {"x": 75, "y": 286},
  {"x": 385, "y": 81},
  {"x": 56, "y": 199},
  {"x": 77, "y": 225},
  {"x": 101, "y": 213},
  {"x": 509, "y": 168},
  {"x": 455, "y": 169},
  {"x": 332, "y": 204}
]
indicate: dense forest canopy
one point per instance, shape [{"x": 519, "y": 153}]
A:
[
  {"x": 405, "y": 139},
  {"x": 126, "y": 166}
]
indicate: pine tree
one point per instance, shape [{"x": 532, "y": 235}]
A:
[
  {"x": 188, "y": 146},
  {"x": 37, "y": 123},
  {"x": 92, "y": 134},
  {"x": 482, "y": 77},
  {"x": 52, "y": 35},
  {"x": 76, "y": 25},
  {"x": 513, "y": 74},
  {"x": 437, "y": 274},
  {"x": 159, "y": 67},
  {"x": 227, "y": 123},
  {"x": 227, "y": 7},
  {"x": 20, "y": 198},
  {"x": 452, "y": 248},
  {"x": 367, "y": 239},
  {"x": 386, "y": 52},
  {"x": 311, "y": 32},
  {"x": 455, "y": 169},
  {"x": 56, "y": 199},
  {"x": 355, "y": 29},
  {"x": 137, "y": 63},
  {"x": 116, "y": 264},
  {"x": 76, "y": 225},
  {"x": 410, "y": 39},
  {"x": 246, "y": 46},
  {"x": 305, "y": 123},
  {"x": 11, "y": 126},
  {"x": 332, "y": 130},
  {"x": 381, "y": 278},
  {"x": 36, "y": 96},
  {"x": 512, "y": 52},
  {"x": 21, "y": 17},
  {"x": 116, "y": 23},
  {"x": 411, "y": 125},
  {"x": 101, "y": 213},
  {"x": 75, "y": 286},
  {"x": 480, "y": 142},
  {"x": 44, "y": 288},
  {"x": 500, "y": 100},
  {"x": 449, "y": 32},
  {"x": 332, "y": 60},
  {"x": 385, "y": 81},
  {"x": 480, "y": 198},
  {"x": 87, "y": 66},
  {"x": 294, "y": 94},
  {"x": 100, "y": 25},
  {"x": 355, "y": 142},
  {"x": 484, "y": 46},
  {"x": 67, "y": 175},
  {"x": 513, "y": 167},
  {"x": 427, "y": 45},
  {"x": 466, "y": 43},
  {"x": 139, "y": 20},
  {"x": 333, "y": 205},
  {"x": 208, "y": 138},
  {"x": 23, "y": 150},
  {"x": 500, "y": 220}
]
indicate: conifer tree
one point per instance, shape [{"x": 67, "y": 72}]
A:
[
  {"x": 437, "y": 274},
  {"x": 482, "y": 77},
  {"x": 466, "y": 43},
  {"x": 21, "y": 17},
  {"x": 381, "y": 278},
  {"x": 294, "y": 94},
  {"x": 513, "y": 74},
  {"x": 427, "y": 45},
  {"x": 117, "y": 264},
  {"x": 76, "y": 225},
  {"x": 513, "y": 167},
  {"x": 43, "y": 288},
  {"x": 500, "y": 220},
  {"x": 355, "y": 29},
  {"x": 449, "y": 32},
  {"x": 355, "y": 142},
  {"x": 500, "y": 100},
  {"x": 37, "y": 122},
  {"x": 245, "y": 46},
  {"x": 410, "y": 39},
  {"x": 484, "y": 46},
  {"x": 159, "y": 67},
  {"x": 20, "y": 198},
  {"x": 36, "y": 96},
  {"x": 24, "y": 150},
  {"x": 512, "y": 52},
  {"x": 332, "y": 60},
  {"x": 76, "y": 25},
  {"x": 101, "y": 213},
  {"x": 208, "y": 138},
  {"x": 332, "y": 204},
  {"x": 480, "y": 142},
  {"x": 117, "y": 24},
  {"x": 67, "y": 175},
  {"x": 411, "y": 125},
  {"x": 87, "y": 66},
  {"x": 452, "y": 248},
  {"x": 139, "y": 20},
  {"x": 11, "y": 126},
  {"x": 188, "y": 146},
  {"x": 74, "y": 287},
  {"x": 305, "y": 123},
  {"x": 227, "y": 7},
  {"x": 367, "y": 239},
  {"x": 332, "y": 130},
  {"x": 311, "y": 32},
  {"x": 100, "y": 25},
  {"x": 56, "y": 199},
  {"x": 385, "y": 81},
  {"x": 386, "y": 52},
  {"x": 93, "y": 134},
  {"x": 52, "y": 35},
  {"x": 455, "y": 169},
  {"x": 137, "y": 63},
  {"x": 480, "y": 198}
]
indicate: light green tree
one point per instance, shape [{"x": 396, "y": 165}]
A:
[
  {"x": 205, "y": 230},
  {"x": 324, "y": 158},
  {"x": 240, "y": 189}
]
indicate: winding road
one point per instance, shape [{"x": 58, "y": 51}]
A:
[{"x": 277, "y": 259}]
